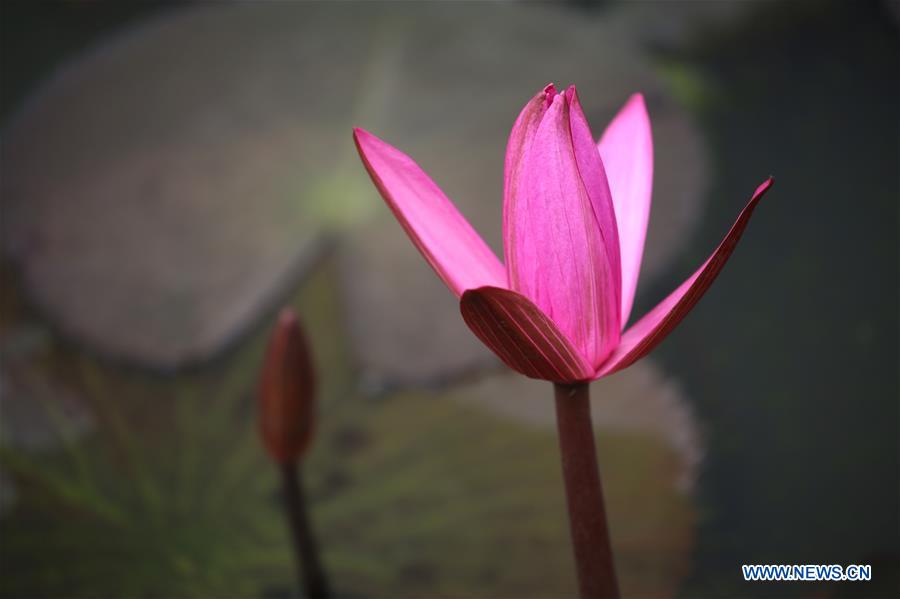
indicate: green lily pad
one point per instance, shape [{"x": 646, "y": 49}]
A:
[{"x": 412, "y": 494}]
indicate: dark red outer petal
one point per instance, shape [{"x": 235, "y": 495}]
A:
[{"x": 522, "y": 335}]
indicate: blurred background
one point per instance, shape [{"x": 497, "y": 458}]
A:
[{"x": 173, "y": 173}]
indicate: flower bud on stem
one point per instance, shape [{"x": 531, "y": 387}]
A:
[
  {"x": 287, "y": 391},
  {"x": 584, "y": 495}
]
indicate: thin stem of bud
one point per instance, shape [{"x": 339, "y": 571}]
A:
[{"x": 309, "y": 567}]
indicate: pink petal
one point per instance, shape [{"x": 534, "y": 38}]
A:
[
  {"x": 627, "y": 152},
  {"x": 444, "y": 237},
  {"x": 522, "y": 336},
  {"x": 645, "y": 334},
  {"x": 555, "y": 253},
  {"x": 520, "y": 139},
  {"x": 593, "y": 173}
]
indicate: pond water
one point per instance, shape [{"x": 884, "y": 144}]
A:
[
  {"x": 793, "y": 360},
  {"x": 788, "y": 368}
]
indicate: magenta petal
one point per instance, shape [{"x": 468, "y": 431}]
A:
[
  {"x": 593, "y": 172},
  {"x": 554, "y": 251},
  {"x": 627, "y": 152},
  {"x": 645, "y": 334},
  {"x": 444, "y": 237},
  {"x": 520, "y": 139},
  {"x": 522, "y": 336}
]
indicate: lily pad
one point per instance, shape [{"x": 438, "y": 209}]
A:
[
  {"x": 166, "y": 188},
  {"x": 412, "y": 494},
  {"x": 641, "y": 400}
]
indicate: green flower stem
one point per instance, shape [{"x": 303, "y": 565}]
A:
[{"x": 584, "y": 495}]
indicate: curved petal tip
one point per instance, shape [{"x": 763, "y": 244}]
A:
[
  {"x": 649, "y": 331},
  {"x": 440, "y": 232}
]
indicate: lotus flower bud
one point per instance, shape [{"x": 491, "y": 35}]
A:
[{"x": 287, "y": 389}]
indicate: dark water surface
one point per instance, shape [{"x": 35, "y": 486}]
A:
[{"x": 792, "y": 357}]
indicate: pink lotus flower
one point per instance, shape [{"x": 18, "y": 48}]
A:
[{"x": 575, "y": 217}]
